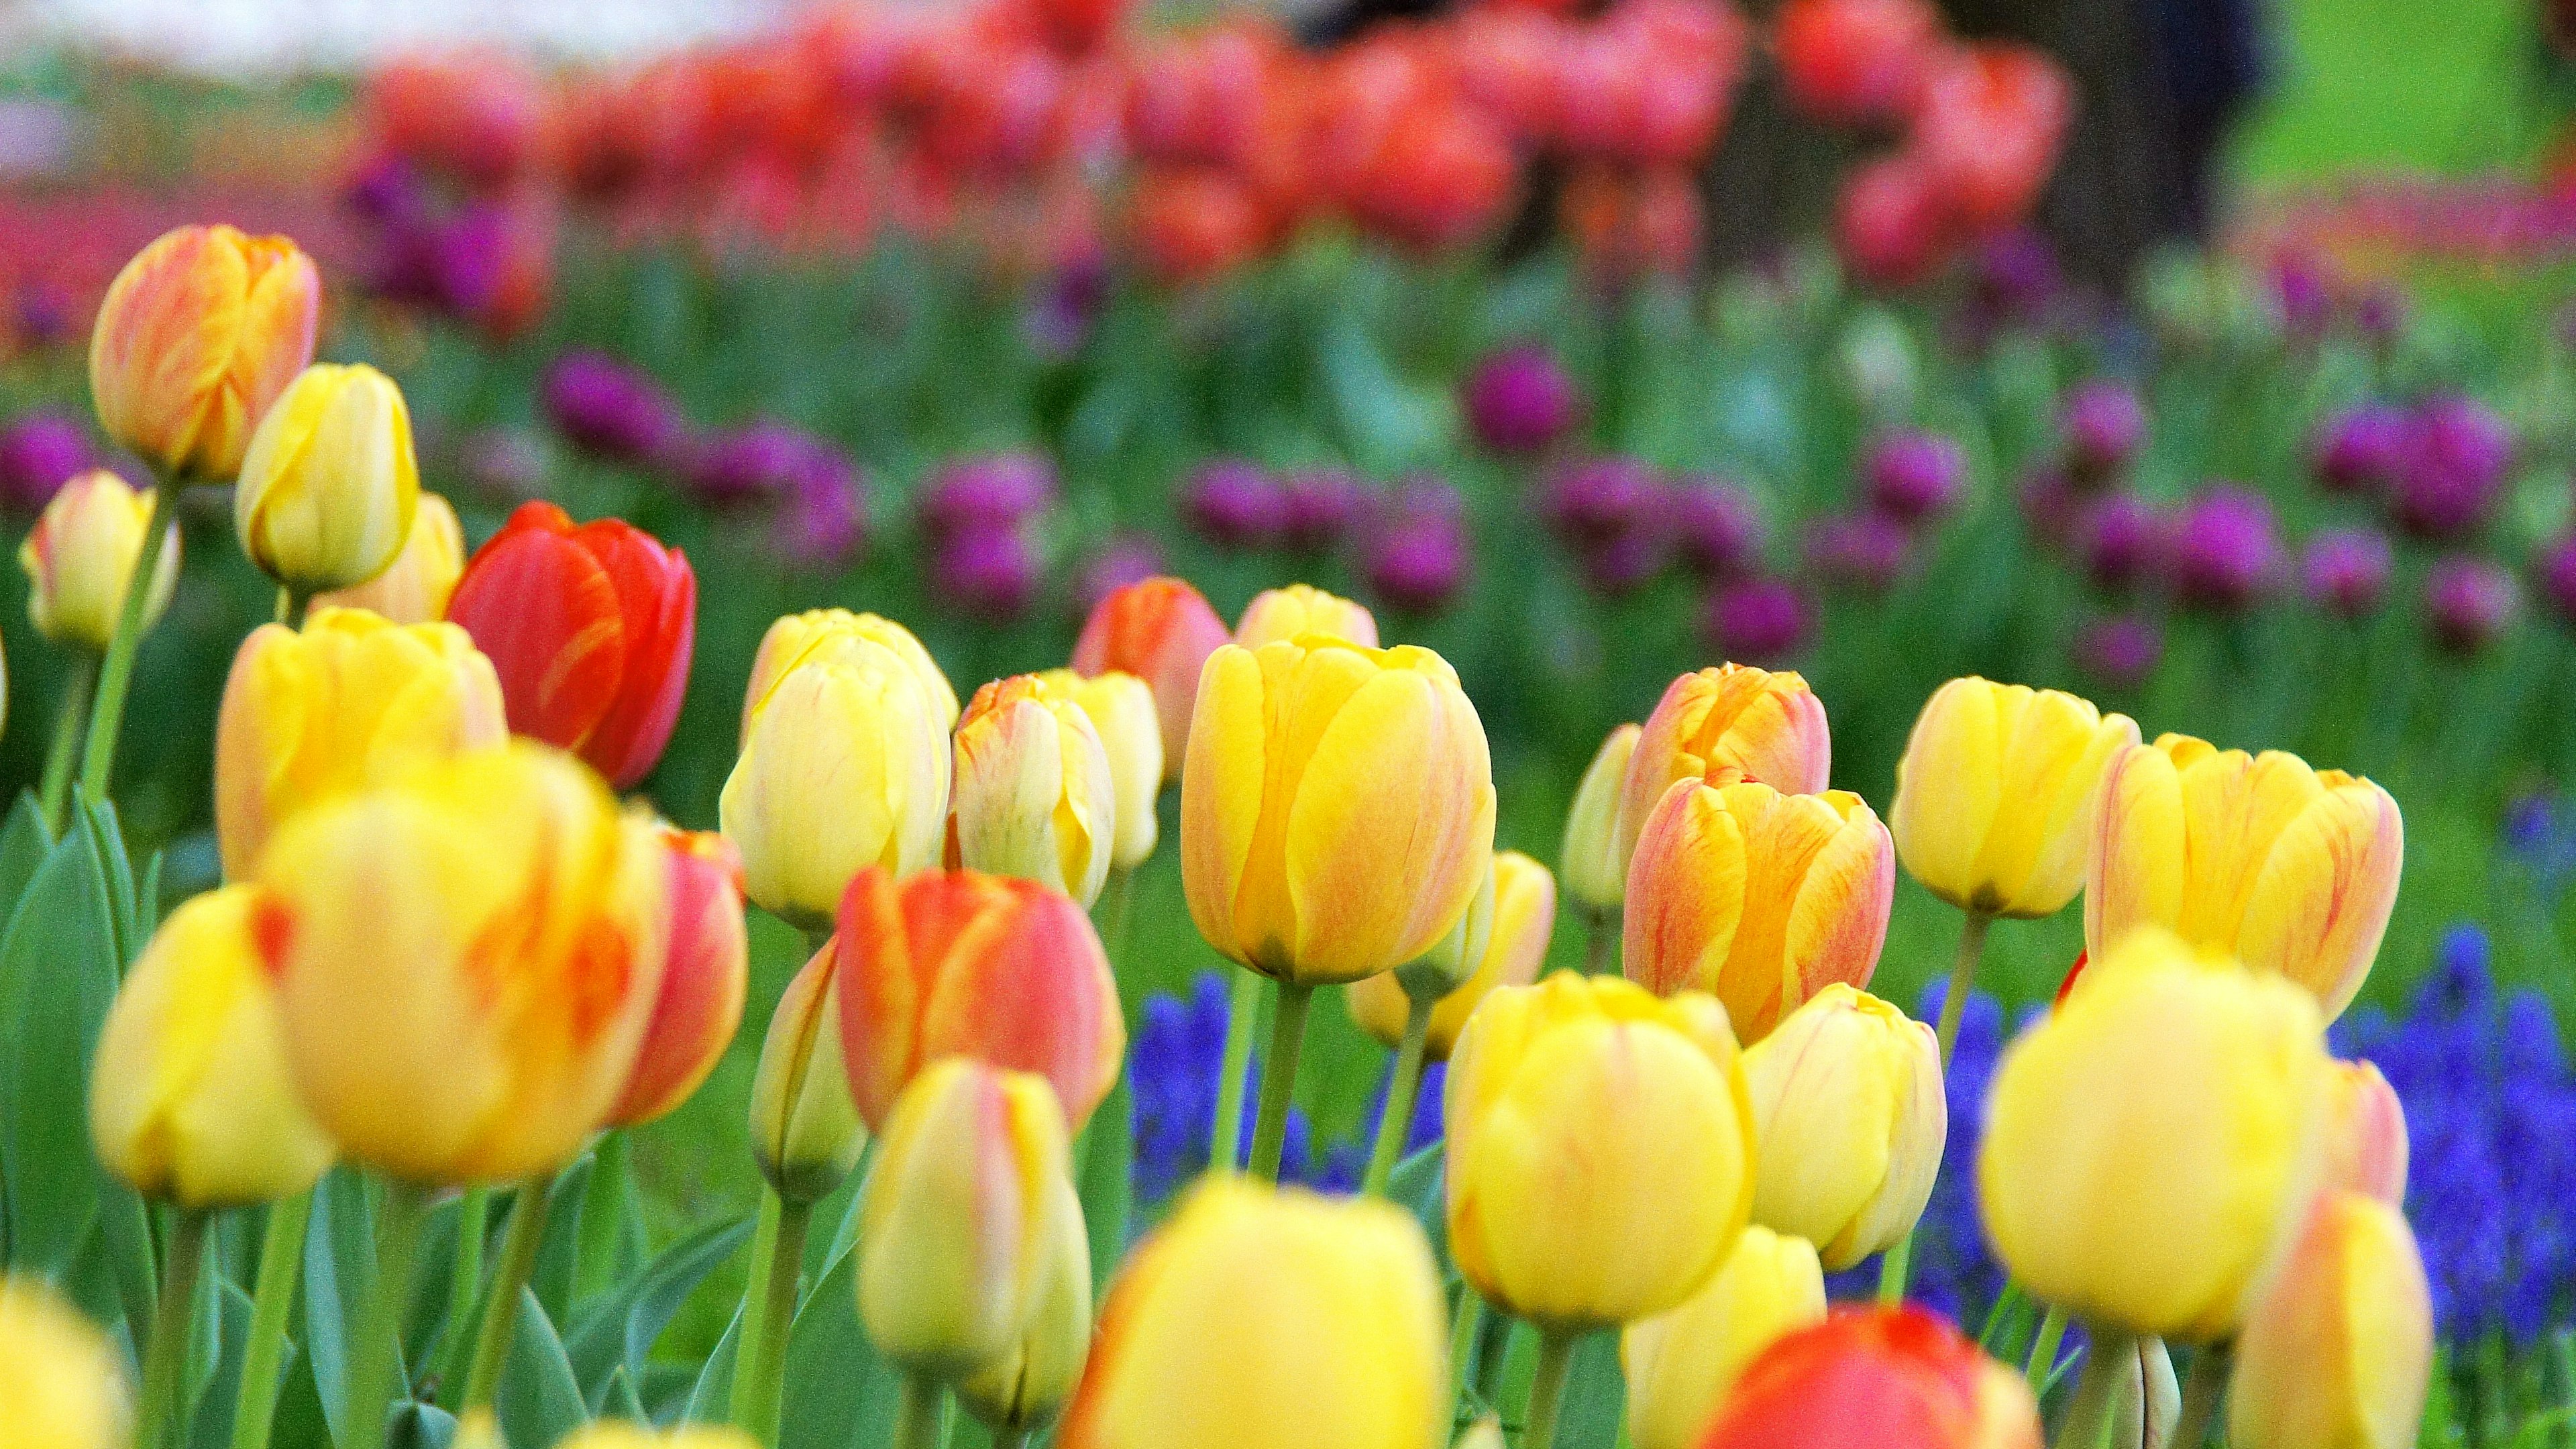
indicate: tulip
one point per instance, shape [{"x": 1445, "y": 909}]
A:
[
  {"x": 347, "y": 702},
  {"x": 1300, "y": 609},
  {"x": 415, "y": 588},
  {"x": 196, "y": 337},
  {"x": 1995, "y": 795},
  {"x": 466, "y": 960},
  {"x": 1595, "y": 874},
  {"x": 1121, "y": 708},
  {"x": 329, "y": 485},
  {"x": 704, "y": 977},
  {"x": 957, "y": 1228},
  {"x": 959, "y": 963},
  {"x": 1021, "y": 1389},
  {"x": 841, "y": 636},
  {"x": 1522, "y": 917},
  {"x": 1724, "y": 724},
  {"x": 590, "y": 628},
  {"x": 2289, "y": 869},
  {"x": 190, "y": 1099},
  {"x": 624, "y": 1434},
  {"x": 61, "y": 1386},
  {"x": 2366, "y": 1145},
  {"x": 2339, "y": 1351},
  {"x": 1680, "y": 1364},
  {"x": 1162, "y": 631},
  {"x": 1263, "y": 1318},
  {"x": 1847, "y": 1097},
  {"x": 805, "y": 1130},
  {"x": 80, "y": 558},
  {"x": 1759, "y": 898},
  {"x": 1870, "y": 1377},
  {"x": 2149, "y": 1145},
  {"x": 1033, "y": 796}
]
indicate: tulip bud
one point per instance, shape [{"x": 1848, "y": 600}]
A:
[
  {"x": 2339, "y": 1350},
  {"x": 1230, "y": 1297},
  {"x": 1680, "y": 1364},
  {"x": 2150, "y": 1143},
  {"x": 1595, "y": 874},
  {"x": 1485, "y": 1433},
  {"x": 1847, "y": 1097},
  {"x": 329, "y": 485},
  {"x": 805, "y": 1131},
  {"x": 61, "y": 1386},
  {"x": 1162, "y": 631},
  {"x": 705, "y": 975},
  {"x": 196, "y": 337},
  {"x": 1299, "y": 754},
  {"x": 626, "y": 1434},
  {"x": 1759, "y": 898},
  {"x": 1122, "y": 712},
  {"x": 1033, "y": 796},
  {"x": 839, "y": 635},
  {"x": 959, "y": 963},
  {"x": 80, "y": 557},
  {"x": 1022, "y": 1389},
  {"x": 955, "y": 1237},
  {"x": 1514, "y": 926},
  {"x": 2365, "y": 1134},
  {"x": 347, "y": 702},
  {"x": 1996, "y": 792},
  {"x": 1866, "y": 1378},
  {"x": 465, "y": 960},
  {"x": 416, "y": 587},
  {"x": 2288, "y": 869},
  {"x": 1302, "y": 609},
  {"x": 591, "y": 628},
  {"x": 1601, "y": 1150},
  {"x": 1725, "y": 724}
]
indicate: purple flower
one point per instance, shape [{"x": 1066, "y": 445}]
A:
[
  {"x": 822, "y": 522},
  {"x": 2380, "y": 314},
  {"x": 1865, "y": 550},
  {"x": 2361, "y": 451},
  {"x": 2345, "y": 571},
  {"x": 386, "y": 190},
  {"x": 2120, "y": 649},
  {"x": 1125, "y": 559},
  {"x": 1064, "y": 305},
  {"x": 2104, "y": 424},
  {"x": 2016, "y": 275},
  {"x": 1617, "y": 567},
  {"x": 1715, "y": 525},
  {"x": 1235, "y": 504},
  {"x": 1417, "y": 553},
  {"x": 1913, "y": 476},
  {"x": 39, "y": 452},
  {"x": 2470, "y": 601},
  {"x": 44, "y": 312},
  {"x": 1318, "y": 507},
  {"x": 2457, "y": 454},
  {"x": 611, "y": 409},
  {"x": 2225, "y": 552},
  {"x": 984, "y": 492},
  {"x": 1520, "y": 400},
  {"x": 470, "y": 257},
  {"x": 760, "y": 459},
  {"x": 1597, "y": 500},
  {"x": 1756, "y": 620},
  {"x": 2120, "y": 540},
  {"x": 2305, "y": 301},
  {"x": 2051, "y": 507},
  {"x": 2555, "y": 572},
  {"x": 989, "y": 572}
]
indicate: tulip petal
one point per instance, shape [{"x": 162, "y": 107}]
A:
[{"x": 2322, "y": 900}]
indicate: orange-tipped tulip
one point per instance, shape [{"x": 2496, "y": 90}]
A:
[
  {"x": 2339, "y": 1352},
  {"x": 80, "y": 557},
  {"x": 62, "y": 1382},
  {"x": 1524, "y": 916},
  {"x": 805, "y": 1132},
  {"x": 1680, "y": 1364},
  {"x": 195, "y": 338},
  {"x": 1874, "y": 1378},
  {"x": 1302, "y": 609},
  {"x": 1847, "y": 1096},
  {"x": 1996, "y": 795},
  {"x": 1032, "y": 795},
  {"x": 2365, "y": 1133},
  {"x": 1122, "y": 712},
  {"x": 415, "y": 588},
  {"x": 704, "y": 977},
  {"x": 1162, "y": 631},
  {"x": 1022, "y": 1388},
  {"x": 1733, "y": 722},
  {"x": 329, "y": 486}
]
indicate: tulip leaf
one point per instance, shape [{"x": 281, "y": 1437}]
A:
[
  {"x": 226, "y": 1331},
  {"x": 58, "y": 973},
  {"x": 537, "y": 1400},
  {"x": 339, "y": 1255},
  {"x": 711, "y": 1401},
  {"x": 618, "y": 1399},
  {"x": 131, "y": 930},
  {"x": 840, "y": 1394},
  {"x": 559, "y": 1251},
  {"x": 415, "y": 1425},
  {"x": 1416, "y": 1187},
  {"x": 1107, "y": 1182},
  {"x": 24, "y": 844},
  {"x": 616, "y": 1332}
]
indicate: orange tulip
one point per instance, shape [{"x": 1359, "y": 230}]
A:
[
  {"x": 195, "y": 338},
  {"x": 1162, "y": 631},
  {"x": 1721, "y": 725},
  {"x": 704, "y": 976},
  {"x": 2365, "y": 1133}
]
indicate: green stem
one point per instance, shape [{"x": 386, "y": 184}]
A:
[
  {"x": 519, "y": 1243},
  {"x": 1397, "y": 1119},
  {"x": 916, "y": 1423},
  {"x": 2202, "y": 1387},
  {"x": 2089, "y": 1417},
  {"x": 1115, "y": 903},
  {"x": 107, "y": 711},
  {"x": 65, "y": 747},
  {"x": 1242, "y": 1014},
  {"x": 603, "y": 1216},
  {"x": 464, "y": 1281},
  {"x": 755, "y": 1294},
  {"x": 1014, "y": 1439},
  {"x": 1279, "y": 1079},
  {"x": 285, "y": 605},
  {"x": 376, "y": 1367},
  {"x": 1597, "y": 941},
  {"x": 170, "y": 1322},
  {"x": 1462, "y": 1345},
  {"x": 2043, "y": 1353},
  {"x": 760, "y": 1373},
  {"x": 1547, "y": 1389},
  {"x": 1895, "y": 1267},
  {"x": 281, "y": 1260},
  {"x": 1963, "y": 976}
]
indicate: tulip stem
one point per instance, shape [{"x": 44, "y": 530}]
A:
[
  {"x": 375, "y": 1371},
  {"x": 1462, "y": 1344},
  {"x": 1114, "y": 903},
  {"x": 1963, "y": 977},
  {"x": 281, "y": 1261},
  {"x": 107, "y": 709},
  {"x": 1597, "y": 941},
  {"x": 519, "y": 1244},
  {"x": 1895, "y": 1269},
  {"x": 2202, "y": 1387},
  {"x": 760, "y": 1372},
  {"x": 1547, "y": 1388},
  {"x": 916, "y": 1423},
  {"x": 65, "y": 748},
  {"x": 1242, "y": 1014},
  {"x": 1395, "y": 1122},
  {"x": 464, "y": 1281},
  {"x": 170, "y": 1321},
  {"x": 1279, "y": 1078},
  {"x": 2089, "y": 1420},
  {"x": 603, "y": 1215},
  {"x": 2043, "y": 1352}
]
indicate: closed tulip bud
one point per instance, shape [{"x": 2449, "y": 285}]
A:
[
  {"x": 626, "y": 1434},
  {"x": 959, "y": 963},
  {"x": 956, "y": 1237},
  {"x": 1680, "y": 1364},
  {"x": 1996, "y": 794},
  {"x": 1847, "y": 1097},
  {"x": 1300, "y": 753},
  {"x": 2286, "y": 868},
  {"x": 1872, "y": 1377},
  {"x": 1595, "y": 873},
  {"x": 60, "y": 1384},
  {"x": 1122, "y": 712},
  {"x": 1162, "y": 631},
  {"x": 1269, "y": 1318},
  {"x": 329, "y": 485},
  {"x": 1033, "y": 796},
  {"x": 837, "y": 635},
  {"x": 1515, "y": 934},
  {"x": 2365, "y": 1134},
  {"x": 190, "y": 1101},
  {"x": 1302, "y": 609},
  {"x": 347, "y": 702},
  {"x": 1721, "y": 725},
  {"x": 1759, "y": 898},
  {"x": 1485, "y": 1433},
  {"x": 466, "y": 960},
  {"x": 805, "y": 1130},
  {"x": 195, "y": 339},
  {"x": 2338, "y": 1354},
  {"x": 1601, "y": 1150},
  {"x": 1021, "y": 1390},
  {"x": 705, "y": 974},
  {"x": 2150, "y": 1143},
  {"x": 80, "y": 557},
  {"x": 415, "y": 588}
]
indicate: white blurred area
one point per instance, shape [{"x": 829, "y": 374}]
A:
[{"x": 250, "y": 38}]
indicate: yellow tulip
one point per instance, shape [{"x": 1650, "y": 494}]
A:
[
  {"x": 2366, "y": 1145},
  {"x": 627, "y": 1434},
  {"x": 329, "y": 486},
  {"x": 1298, "y": 610},
  {"x": 1847, "y": 1098},
  {"x": 1759, "y": 898},
  {"x": 1595, "y": 873},
  {"x": 80, "y": 557},
  {"x": 190, "y": 1100},
  {"x": 1033, "y": 796},
  {"x": 2288, "y": 869},
  {"x": 1300, "y": 753},
  {"x": 957, "y": 1232},
  {"x": 2339, "y": 1352},
  {"x": 1522, "y": 918},
  {"x": 1022, "y": 1388},
  {"x": 60, "y": 1382},
  {"x": 1996, "y": 795},
  {"x": 1601, "y": 1150},
  {"x": 1680, "y": 1364},
  {"x": 838, "y": 634},
  {"x": 1721, "y": 725},
  {"x": 195, "y": 338},
  {"x": 414, "y": 589},
  {"x": 347, "y": 702},
  {"x": 1269, "y": 1318},
  {"x": 1131, "y": 733},
  {"x": 2149, "y": 1145},
  {"x": 479, "y": 1429},
  {"x": 466, "y": 960},
  {"x": 805, "y": 1129}
]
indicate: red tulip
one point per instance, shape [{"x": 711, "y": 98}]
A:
[
  {"x": 1989, "y": 127},
  {"x": 1894, "y": 226},
  {"x": 590, "y": 628},
  {"x": 704, "y": 976},
  {"x": 1850, "y": 62},
  {"x": 1162, "y": 631},
  {"x": 1869, "y": 1377}
]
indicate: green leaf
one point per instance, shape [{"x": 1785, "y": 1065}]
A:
[
  {"x": 840, "y": 1394},
  {"x": 415, "y": 1425},
  {"x": 1416, "y": 1186},
  {"x": 99, "y": 818},
  {"x": 618, "y": 1399},
  {"x": 1596, "y": 1393},
  {"x": 24, "y": 844},
  {"x": 339, "y": 1255},
  {"x": 711, "y": 1402},
  {"x": 616, "y": 1332},
  {"x": 58, "y": 972},
  {"x": 559, "y": 1251},
  {"x": 220, "y": 1384},
  {"x": 1107, "y": 1182},
  {"x": 537, "y": 1399}
]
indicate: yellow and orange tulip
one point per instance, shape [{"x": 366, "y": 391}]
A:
[
  {"x": 196, "y": 337},
  {"x": 1847, "y": 1098},
  {"x": 805, "y": 1131},
  {"x": 705, "y": 975},
  {"x": 1996, "y": 795},
  {"x": 1020, "y": 1389},
  {"x": 1122, "y": 713},
  {"x": 80, "y": 557},
  {"x": 1161, "y": 630},
  {"x": 415, "y": 587},
  {"x": 1733, "y": 722},
  {"x": 2339, "y": 1352},
  {"x": 2365, "y": 1134},
  {"x": 1302, "y": 609},
  {"x": 1033, "y": 796},
  {"x": 1523, "y": 917}
]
